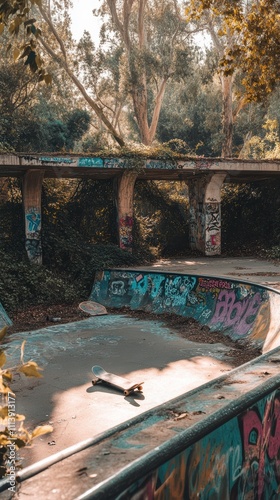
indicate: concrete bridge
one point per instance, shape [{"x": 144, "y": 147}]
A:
[{"x": 204, "y": 177}]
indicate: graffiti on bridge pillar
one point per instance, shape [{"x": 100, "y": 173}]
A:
[
  {"x": 33, "y": 243},
  {"x": 212, "y": 228},
  {"x": 125, "y": 232}
]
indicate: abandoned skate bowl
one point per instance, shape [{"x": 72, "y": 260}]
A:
[{"x": 220, "y": 440}]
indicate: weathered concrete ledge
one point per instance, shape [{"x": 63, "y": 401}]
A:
[
  {"x": 222, "y": 438},
  {"x": 77, "y": 165}
]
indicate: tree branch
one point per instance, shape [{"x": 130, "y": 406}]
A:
[
  {"x": 141, "y": 26},
  {"x": 48, "y": 20},
  {"x": 127, "y": 7},
  {"x": 83, "y": 91},
  {"x": 112, "y": 6},
  {"x": 157, "y": 108}
]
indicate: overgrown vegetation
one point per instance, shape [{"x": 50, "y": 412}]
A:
[
  {"x": 251, "y": 218},
  {"x": 80, "y": 234},
  {"x": 13, "y": 434},
  {"x": 79, "y": 237}
]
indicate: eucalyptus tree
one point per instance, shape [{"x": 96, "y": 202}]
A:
[
  {"x": 191, "y": 112},
  {"x": 246, "y": 36},
  {"x": 17, "y": 96},
  {"x": 48, "y": 39},
  {"x": 33, "y": 119},
  {"x": 155, "y": 49},
  {"x": 150, "y": 34},
  {"x": 255, "y": 24}
]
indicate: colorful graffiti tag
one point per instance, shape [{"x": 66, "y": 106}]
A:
[
  {"x": 125, "y": 232},
  {"x": 33, "y": 243},
  {"x": 56, "y": 159},
  {"x": 90, "y": 162},
  {"x": 4, "y": 318},
  {"x": 221, "y": 304},
  {"x": 245, "y": 464},
  {"x": 230, "y": 311},
  {"x": 161, "y": 164},
  {"x": 33, "y": 218},
  {"x": 212, "y": 228},
  {"x": 115, "y": 163}
]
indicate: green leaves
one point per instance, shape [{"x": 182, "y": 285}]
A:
[
  {"x": 15, "y": 17},
  {"x": 254, "y": 43}
]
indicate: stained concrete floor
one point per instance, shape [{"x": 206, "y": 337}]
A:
[{"x": 142, "y": 351}]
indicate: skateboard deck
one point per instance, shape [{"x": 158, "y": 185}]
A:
[
  {"x": 119, "y": 382},
  {"x": 93, "y": 308}
]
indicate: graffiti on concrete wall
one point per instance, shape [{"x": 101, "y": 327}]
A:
[
  {"x": 230, "y": 311},
  {"x": 90, "y": 162},
  {"x": 212, "y": 228},
  {"x": 202, "y": 164},
  {"x": 115, "y": 163},
  {"x": 197, "y": 215},
  {"x": 197, "y": 225},
  {"x": 33, "y": 243},
  {"x": 161, "y": 164},
  {"x": 221, "y": 304},
  {"x": 33, "y": 220},
  {"x": 245, "y": 464},
  {"x": 261, "y": 446},
  {"x": 4, "y": 318},
  {"x": 56, "y": 159},
  {"x": 125, "y": 232}
]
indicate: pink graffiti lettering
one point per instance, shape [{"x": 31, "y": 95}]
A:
[
  {"x": 125, "y": 232},
  {"x": 262, "y": 438},
  {"x": 238, "y": 314},
  {"x": 215, "y": 239},
  {"x": 126, "y": 221}
]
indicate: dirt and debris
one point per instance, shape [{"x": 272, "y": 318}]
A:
[{"x": 42, "y": 316}]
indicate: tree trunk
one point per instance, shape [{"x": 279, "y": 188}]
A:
[
  {"x": 227, "y": 116},
  {"x": 139, "y": 92},
  {"x": 63, "y": 62}
]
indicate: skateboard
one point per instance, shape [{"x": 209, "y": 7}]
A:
[
  {"x": 119, "y": 382},
  {"x": 93, "y": 308}
]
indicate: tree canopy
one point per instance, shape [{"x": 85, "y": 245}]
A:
[
  {"x": 254, "y": 28},
  {"x": 145, "y": 51}
]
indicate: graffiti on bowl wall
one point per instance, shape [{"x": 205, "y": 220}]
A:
[
  {"x": 219, "y": 303},
  {"x": 245, "y": 464}
]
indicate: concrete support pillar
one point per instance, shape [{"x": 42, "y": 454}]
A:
[
  {"x": 205, "y": 213},
  {"x": 124, "y": 201},
  {"x": 31, "y": 191}
]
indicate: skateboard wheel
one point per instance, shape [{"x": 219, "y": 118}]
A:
[
  {"x": 140, "y": 387},
  {"x": 126, "y": 393},
  {"x": 94, "y": 382}
]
